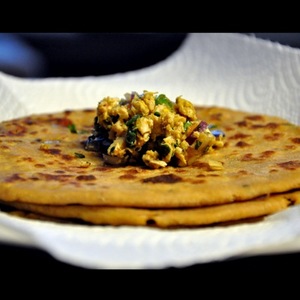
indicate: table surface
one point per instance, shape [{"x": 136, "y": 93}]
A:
[{"x": 27, "y": 258}]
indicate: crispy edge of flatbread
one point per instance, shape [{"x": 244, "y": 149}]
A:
[{"x": 166, "y": 218}]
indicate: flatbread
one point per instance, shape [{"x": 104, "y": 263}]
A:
[
  {"x": 165, "y": 218},
  {"x": 43, "y": 162}
]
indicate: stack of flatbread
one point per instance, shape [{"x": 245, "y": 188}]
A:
[{"x": 47, "y": 173}]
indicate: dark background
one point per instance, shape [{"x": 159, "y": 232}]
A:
[
  {"x": 83, "y": 54},
  {"x": 41, "y": 55}
]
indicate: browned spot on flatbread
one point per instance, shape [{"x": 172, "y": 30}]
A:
[
  {"x": 243, "y": 172},
  {"x": 132, "y": 171},
  {"x": 13, "y": 141},
  {"x": 47, "y": 176},
  {"x": 14, "y": 177},
  {"x": 295, "y": 140},
  {"x": 270, "y": 125},
  {"x": 216, "y": 116},
  {"x": 248, "y": 157},
  {"x": 266, "y": 154},
  {"x": 59, "y": 171},
  {"x": 198, "y": 181},
  {"x": 290, "y": 147},
  {"x": 17, "y": 130},
  {"x": 166, "y": 178},
  {"x": 51, "y": 151},
  {"x": 25, "y": 158},
  {"x": 55, "y": 151},
  {"x": 242, "y": 144},
  {"x": 29, "y": 121},
  {"x": 241, "y": 123},
  {"x": 67, "y": 157},
  {"x": 228, "y": 128},
  {"x": 85, "y": 177},
  {"x": 129, "y": 174},
  {"x": 290, "y": 165},
  {"x": 40, "y": 165},
  {"x": 200, "y": 175},
  {"x": 273, "y": 137},
  {"x": 88, "y": 110},
  {"x": 65, "y": 122},
  {"x": 263, "y": 155},
  {"x": 239, "y": 136},
  {"x": 255, "y": 118}
]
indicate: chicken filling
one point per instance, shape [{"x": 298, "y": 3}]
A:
[{"x": 151, "y": 129}]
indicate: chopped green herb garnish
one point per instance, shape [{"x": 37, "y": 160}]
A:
[
  {"x": 212, "y": 126},
  {"x": 131, "y": 133},
  {"x": 79, "y": 155},
  {"x": 206, "y": 149},
  {"x": 186, "y": 125},
  {"x": 157, "y": 114},
  {"x": 198, "y": 144},
  {"x": 72, "y": 128},
  {"x": 162, "y": 99},
  {"x": 130, "y": 138},
  {"x": 130, "y": 123}
]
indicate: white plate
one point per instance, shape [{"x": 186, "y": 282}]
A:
[
  {"x": 128, "y": 247},
  {"x": 229, "y": 70}
]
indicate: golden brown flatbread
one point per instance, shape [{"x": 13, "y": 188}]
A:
[
  {"x": 43, "y": 161},
  {"x": 165, "y": 218}
]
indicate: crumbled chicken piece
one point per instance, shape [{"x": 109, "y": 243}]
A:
[
  {"x": 117, "y": 148},
  {"x": 186, "y": 108},
  {"x": 118, "y": 128},
  {"x": 144, "y": 125},
  {"x": 151, "y": 159},
  {"x": 139, "y": 107}
]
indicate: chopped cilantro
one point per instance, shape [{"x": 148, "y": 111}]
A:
[
  {"x": 130, "y": 138},
  {"x": 162, "y": 99},
  {"x": 79, "y": 155},
  {"x": 186, "y": 125},
  {"x": 212, "y": 126},
  {"x": 72, "y": 128},
  {"x": 130, "y": 123},
  {"x": 198, "y": 144}
]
